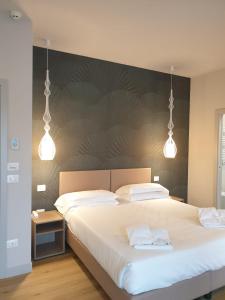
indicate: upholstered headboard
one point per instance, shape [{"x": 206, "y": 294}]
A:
[
  {"x": 84, "y": 180},
  {"x": 101, "y": 179},
  {"x": 121, "y": 177}
]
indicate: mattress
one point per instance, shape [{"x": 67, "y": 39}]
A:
[{"x": 195, "y": 249}]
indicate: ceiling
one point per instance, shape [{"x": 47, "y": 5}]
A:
[{"x": 152, "y": 34}]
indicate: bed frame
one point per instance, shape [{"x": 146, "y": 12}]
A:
[{"x": 110, "y": 180}]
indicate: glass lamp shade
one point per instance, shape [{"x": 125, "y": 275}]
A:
[
  {"x": 170, "y": 148},
  {"x": 46, "y": 149}
]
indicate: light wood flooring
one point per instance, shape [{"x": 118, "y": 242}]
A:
[{"x": 60, "y": 278}]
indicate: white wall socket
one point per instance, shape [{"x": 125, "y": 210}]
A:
[
  {"x": 12, "y": 243},
  {"x": 156, "y": 178},
  {"x": 12, "y": 178},
  {"x": 41, "y": 188}
]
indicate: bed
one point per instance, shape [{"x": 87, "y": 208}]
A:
[{"x": 101, "y": 245}]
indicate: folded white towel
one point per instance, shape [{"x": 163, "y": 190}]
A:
[
  {"x": 160, "y": 237},
  {"x": 142, "y": 237},
  {"x": 211, "y": 217},
  {"x": 139, "y": 235}
]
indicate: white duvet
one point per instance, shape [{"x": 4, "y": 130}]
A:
[{"x": 102, "y": 230}]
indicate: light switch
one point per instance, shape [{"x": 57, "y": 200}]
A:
[
  {"x": 13, "y": 178},
  {"x": 41, "y": 188},
  {"x": 13, "y": 166},
  {"x": 156, "y": 178}
]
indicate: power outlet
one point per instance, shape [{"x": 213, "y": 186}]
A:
[
  {"x": 12, "y": 178},
  {"x": 12, "y": 243},
  {"x": 156, "y": 178},
  {"x": 41, "y": 188}
]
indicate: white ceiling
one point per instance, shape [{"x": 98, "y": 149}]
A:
[{"x": 153, "y": 34}]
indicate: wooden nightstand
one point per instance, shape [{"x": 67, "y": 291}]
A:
[
  {"x": 49, "y": 223},
  {"x": 177, "y": 198}
]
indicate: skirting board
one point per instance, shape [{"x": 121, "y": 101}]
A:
[
  {"x": 183, "y": 290},
  {"x": 19, "y": 270}
]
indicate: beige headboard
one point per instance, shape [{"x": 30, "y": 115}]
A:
[
  {"x": 121, "y": 177},
  {"x": 101, "y": 179},
  {"x": 84, "y": 180}
]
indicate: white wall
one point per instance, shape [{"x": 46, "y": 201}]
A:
[
  {"x": 207, "y": 96},
  {"x": 16, "y": 67}
]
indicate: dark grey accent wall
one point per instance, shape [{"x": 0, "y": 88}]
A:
[{"x": 105, "y": 116}]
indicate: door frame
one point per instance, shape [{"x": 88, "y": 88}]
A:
[
  {"x": 219, "y": 115},
  {"x": 3, "y": 174}
]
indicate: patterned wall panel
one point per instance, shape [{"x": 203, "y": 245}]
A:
[{"x": 104, "y": 116}]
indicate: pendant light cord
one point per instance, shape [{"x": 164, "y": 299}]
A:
[
  {"x": 47, "y": 93},
  {"x": 171, "y": 76},
  {"x": 47, "y": 43},
  {"x": 47, "y": 56},
  {"x": 171, "y": 105}
]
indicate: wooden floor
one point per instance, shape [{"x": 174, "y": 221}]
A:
[{"x": 59, "y": 278}]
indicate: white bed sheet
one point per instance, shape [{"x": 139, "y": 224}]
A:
[{"x": 102, "y": 231}]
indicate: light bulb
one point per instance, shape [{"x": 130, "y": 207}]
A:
[
  {"x": 46, "y": 149},
  {"x": 170, "y": 148}
]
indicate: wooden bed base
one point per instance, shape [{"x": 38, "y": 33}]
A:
[{"x": 184, "y": 290}]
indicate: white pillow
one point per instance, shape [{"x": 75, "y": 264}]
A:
[
  {"x": 143, "y": 196},
  {"x": 85, "y": 198},
  {"x": 98, "y": 195},
  {"x": 86, "y": 203},
  {"x": 140, "y": 188}
]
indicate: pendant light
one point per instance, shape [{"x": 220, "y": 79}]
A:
[
  {"x": 170, "y": 148},
  {"x": 46, "y": 149}
]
